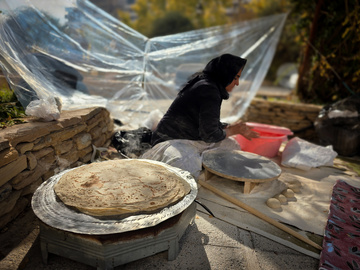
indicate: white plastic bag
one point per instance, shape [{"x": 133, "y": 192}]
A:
[
  {"x": 46, "y": 109},
  {"x": 304, "y": 155}
]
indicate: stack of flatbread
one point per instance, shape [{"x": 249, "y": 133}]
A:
[{"x": 120, "y": 188}]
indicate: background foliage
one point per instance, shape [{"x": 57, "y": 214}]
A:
[
  {"x": 172, "y": 22},
  {"x": 11, "y": 110},
  {"x": 329, "y": 60},
  {"x": 203, "y": 13},
  {"x": 288, "y": 49},
  {"x": 331, "y": 56},
  {"x": 325, "y": 44}
]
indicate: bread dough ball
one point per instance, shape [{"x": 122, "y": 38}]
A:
[
  {"x": 281, "y": 198},
  {"x": 294, "y": 188},
  {"x": 295, "y": 182},
  {"x": 273, "y": 203},
  {"x": 288, "y": 193}
]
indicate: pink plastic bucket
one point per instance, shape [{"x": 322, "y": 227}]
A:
[{"x": 269, "y": 142}]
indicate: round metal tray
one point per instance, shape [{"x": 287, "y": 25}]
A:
[{"x": 55, "y": 213}]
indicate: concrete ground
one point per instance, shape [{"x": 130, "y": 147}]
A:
[{"x": 209, "y": 243}]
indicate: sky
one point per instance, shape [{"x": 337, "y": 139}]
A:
[{"x": 54, "y": 7}]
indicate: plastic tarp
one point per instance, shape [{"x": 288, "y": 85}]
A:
[{"x": 76, "y": 52}]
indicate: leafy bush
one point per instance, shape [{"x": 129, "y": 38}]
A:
[
  {"x": 331, "y": 55},
  {"x": 11, "y": 110},
  {"x": 171, "y": 23}
]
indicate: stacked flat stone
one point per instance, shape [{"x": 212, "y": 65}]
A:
[
  {"x": 30, "y": 153},
  {"x": 298, "y": 117}
]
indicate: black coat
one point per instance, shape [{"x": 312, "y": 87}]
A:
[{"x": 194, "y": 114}]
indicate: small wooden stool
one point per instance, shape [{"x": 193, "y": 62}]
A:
[{"x": 240, "y": 166}]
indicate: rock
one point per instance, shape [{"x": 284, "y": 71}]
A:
[
  {"x": 9, "y": 203},
  {"x": 12, "y": 169},
  {"x": 5, "y": 191},
  {"x": 4, "y": 144},
  {"x": 64, "y": 147},
  {"x": 83, "y": 140},
  {"x": 66, "y": 133},
  {"x": 8, "y": 155},
  {"x": 29, "y": 132},
  {"x": 27, "y": 177},
  {"x": 24, "y": 147},
  {"x": 32, "y": 161},
  {"x": 43, "y": 152},
  {"x": 70, "y": 157},
  {"x": 19, "y": 207}
]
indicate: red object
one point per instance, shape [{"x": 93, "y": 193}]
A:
[
  {"x": 268, "y": 143},
  {"x": 341, "y": 245}
]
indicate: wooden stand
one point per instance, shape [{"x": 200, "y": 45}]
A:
[{"x": 108, "y": 251}]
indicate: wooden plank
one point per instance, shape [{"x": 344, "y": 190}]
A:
[
  {"x": 258, "y": 214},
  {"x": 248, "y": 186}
]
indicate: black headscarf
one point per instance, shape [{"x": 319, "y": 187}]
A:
[{"x": 222, "y": 70}]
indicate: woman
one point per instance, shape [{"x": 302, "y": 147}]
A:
[{"x": 192, "y": 123}]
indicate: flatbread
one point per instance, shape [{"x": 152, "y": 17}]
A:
[{"x": 120, "y": 188}]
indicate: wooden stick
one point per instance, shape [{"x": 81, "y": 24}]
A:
[{"x": 258, "y": 214}]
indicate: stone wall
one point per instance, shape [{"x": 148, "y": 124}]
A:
[
  {"x": 298, "y": 117},
  {"x": 32, "y": 152}
]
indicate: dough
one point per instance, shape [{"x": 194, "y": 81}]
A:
[
  {"x": 120, "y": 188},
  {"x": 295, "y": 188},
  {"x": 288, "y": 193},
  {"x": 281, "y": 198},
  {"x": 294, "y": 182},
  {"x": 273, "y": 203}
]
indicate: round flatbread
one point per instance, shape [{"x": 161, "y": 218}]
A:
[{"x": 120, "y": 188}]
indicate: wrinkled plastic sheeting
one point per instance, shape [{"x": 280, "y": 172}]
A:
[
  {"x": 304, "y": 155},
  {"x": 116, "y": 67}
]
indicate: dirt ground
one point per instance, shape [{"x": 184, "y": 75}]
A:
[{"x": 17, "y": 238}]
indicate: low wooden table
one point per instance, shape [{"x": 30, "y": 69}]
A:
[{"x": 240, "y": 166}]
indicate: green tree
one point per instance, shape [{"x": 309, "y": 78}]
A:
[
  {"x": 171, "y": 23},
  {"x": 329, "y": 32},
  {"x": 125, "y": 16},
  {"x": 267, "y": 7},
  {"x": 11, "y": 110},
  {"x": 201, "y": 13},
  {"x": 288, "y": 49}
]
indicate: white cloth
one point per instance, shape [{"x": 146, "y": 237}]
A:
[{"x": 187, "y": 154}]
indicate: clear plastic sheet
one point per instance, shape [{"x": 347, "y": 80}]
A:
[{"x": 78, "y": 53}]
